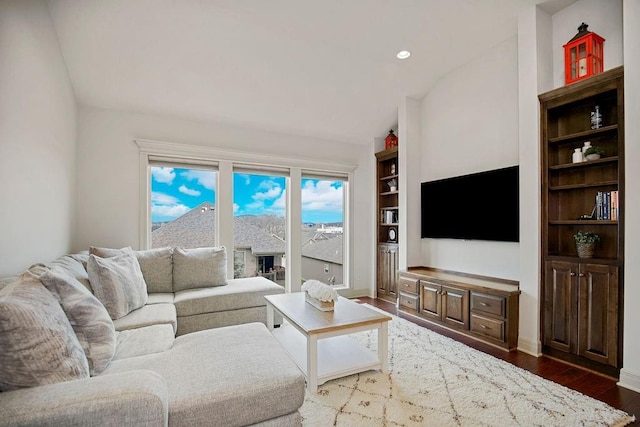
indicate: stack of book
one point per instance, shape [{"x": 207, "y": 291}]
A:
[{"x": 607, "y": 205}]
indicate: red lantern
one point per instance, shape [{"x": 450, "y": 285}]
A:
[
  {"x": 391, "y": 140},
  {"x": 583, "y": 55}
]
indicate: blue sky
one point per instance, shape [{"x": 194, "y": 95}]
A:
[{"x": 175, "y": 191}]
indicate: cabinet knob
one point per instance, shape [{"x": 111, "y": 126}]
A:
[
  {"x": 484, "y": 304},
  {"x": 484, "y": 327},
  {"x": 581, "y": 275},
  {"x": 572, "y": 274}
]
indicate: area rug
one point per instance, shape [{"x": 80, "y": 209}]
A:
[{"x": 436, "y": 381}]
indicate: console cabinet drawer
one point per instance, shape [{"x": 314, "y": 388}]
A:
[
  {"x": 408, "y": 301},
  {"x": 408, "y": 285},
  {"x": 491, "y": 328},
  {"x": 488, "y": 304}
]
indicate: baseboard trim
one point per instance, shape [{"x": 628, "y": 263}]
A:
[
  {"x": 533, "y": 348},
  {"x": 630, "y": 380}
]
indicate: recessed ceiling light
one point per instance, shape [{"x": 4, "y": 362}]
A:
[{"x": 403, "y": 54}]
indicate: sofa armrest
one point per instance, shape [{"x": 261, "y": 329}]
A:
[{"x": 139, "y": 398}]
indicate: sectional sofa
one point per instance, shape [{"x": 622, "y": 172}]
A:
[{"x": 158, "y": 337}]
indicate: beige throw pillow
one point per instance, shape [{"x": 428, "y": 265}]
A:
[
  {"x": 37, "y": 343},
  {"x": 157, "y": 269},
  {"x": 118, "y": 283},
  {"x": 88, "y": 317},
  {"x": 199, "y": 268},
  {"x": 109, "y": 252}
]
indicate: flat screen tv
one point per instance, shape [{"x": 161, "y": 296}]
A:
[{"x": 480, "y": 206}]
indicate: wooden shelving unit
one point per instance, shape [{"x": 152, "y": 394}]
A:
[
  {"x": 582, "y": 297},
  {"x": 387, "y": 224}
]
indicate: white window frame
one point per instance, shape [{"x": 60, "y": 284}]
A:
[{"x": 226, "y": 161}]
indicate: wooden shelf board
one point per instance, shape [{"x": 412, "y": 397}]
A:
[
  {"x": 604, "y": 160},
  {"x": 388, "y": 177},
  {"x": 589, "y": 185},
  {"x": 577, "y": 259},
  {"x": 584, "y": 134},
  {"x": 583, "y": 222},
  {"x": 389, "y": 193},
  {"x": 392, "y": 224}
]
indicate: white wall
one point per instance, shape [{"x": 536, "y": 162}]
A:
[
  {"x": 470, "y": 124},
  {"x": 108, "y": 173},
  {"x": 37, "y": 139},
  {"x": 603, "y": 17},
  {"x": 630, "y": 374}
]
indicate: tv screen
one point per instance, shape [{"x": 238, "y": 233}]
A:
[{"x": 480, "y": 206}]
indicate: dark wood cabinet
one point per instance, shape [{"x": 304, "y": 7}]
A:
[
  {"x": 387, "y": 223},
  {"x": 387, "y": 263},
  {"x": 581, "y": 310},
  {"x": 481, "y": 307},
  {"x": 582, "y": 297},
  {"x": 447, "y": 304}
]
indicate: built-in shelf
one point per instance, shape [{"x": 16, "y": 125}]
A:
[
  {"x": 388, "y": 193},
  {"x": 388, "y": 177},
  {"x": 588, "y": 163},
  {"x": 583, "y": 222},
  {"x": 585, "y": 185},
  {"x": 583, "y": 135}
]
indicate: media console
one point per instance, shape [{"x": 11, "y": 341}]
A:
[{"x": 485, "y": 308}]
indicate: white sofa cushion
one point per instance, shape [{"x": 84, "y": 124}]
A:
[
  {"x": 199, "y": 268},
  {"x": 118, "y": 283},
  {"x": 238, "y": 375},
  {"x": 38, "y": 344},
  {"x": 150, "y": 314},
  {"x": 88, "y": 317},
  {"x": 157, "y": 269}
]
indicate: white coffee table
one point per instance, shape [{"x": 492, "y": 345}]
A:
[{"x": 318, "y": 342}]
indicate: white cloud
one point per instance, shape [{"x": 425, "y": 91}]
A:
[
  {"x": 188, "y": 191},
  {"x": 272, "y": 191},
  {"x": 205, "y": 178},
  {"x": 163, "y": 199},
  {"x": 321, "y": 196},
  {"x": 247, "y": 178},
  {"x": 163, "y": 175},
  {"x": 236, "y": 208},
  {"x": 169, "y": 211}
]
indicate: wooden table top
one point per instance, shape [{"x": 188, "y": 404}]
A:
[{"x": 346, "y": 313}]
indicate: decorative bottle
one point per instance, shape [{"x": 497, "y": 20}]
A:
[
  {"x": 587, "y": 144},
  {"x": 577, "y": 155},
  {"x": 596, "y": 118}
]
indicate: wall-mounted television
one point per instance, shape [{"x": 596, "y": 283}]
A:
[{"x": 479, "y": 206}]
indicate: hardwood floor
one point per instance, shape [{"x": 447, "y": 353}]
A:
[{"x": 595, "y": 385}]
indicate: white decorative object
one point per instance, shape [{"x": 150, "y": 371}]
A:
[
  {"x": 577, "y": 156},
  {"x": 320, "y": 295}
]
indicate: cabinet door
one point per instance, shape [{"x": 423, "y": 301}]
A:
[
  {"x": 455, "y": 307},
  {"x": 392, "y": 262},
  {"x": 598, "y": 313},
  {"x": 560, "y": 296},
  {"x": 383, "y": 270},
  {"x": 430, "y": 300}
]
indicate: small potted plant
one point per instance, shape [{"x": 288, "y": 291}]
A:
[
  {"x": 586, "y": 243},
  {"x": 593, "y": 153}
]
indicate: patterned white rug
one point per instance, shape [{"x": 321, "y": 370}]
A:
[{"x": 436, "y": 381}]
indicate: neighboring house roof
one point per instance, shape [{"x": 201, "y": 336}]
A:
[
  {"x": 324, "y": 248},
  {"x": 262, "y": 234},
  {"x": 261, "y": 242},
  {"x": 195, "y": 229}
]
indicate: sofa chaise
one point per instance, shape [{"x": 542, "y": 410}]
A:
[{"x": 178, "y": 345}]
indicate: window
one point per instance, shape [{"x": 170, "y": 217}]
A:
[
  {"x": 323, "y": 229},
  {"x": 195, "y": 196},
  {"x": 183, "y": 203},
  {"x": 259, "y": 216}
]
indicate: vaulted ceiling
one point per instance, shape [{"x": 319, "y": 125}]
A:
[{"x": 324, "y": 68}]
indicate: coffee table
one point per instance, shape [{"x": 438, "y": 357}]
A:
[{"x": 318, "y": 342}]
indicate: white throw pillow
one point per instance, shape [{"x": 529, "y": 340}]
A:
[
  {"x": 199, "y": 268},
  {"x": 88, "y": 317},
  {"x": 37, "y": 343},
  {"x": 118, "y": 283}
]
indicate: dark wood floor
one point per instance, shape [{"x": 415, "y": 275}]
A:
[{"x": 595, "y": 385}]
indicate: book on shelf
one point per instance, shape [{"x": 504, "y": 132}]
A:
[{"x": 607, "y": 206}]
